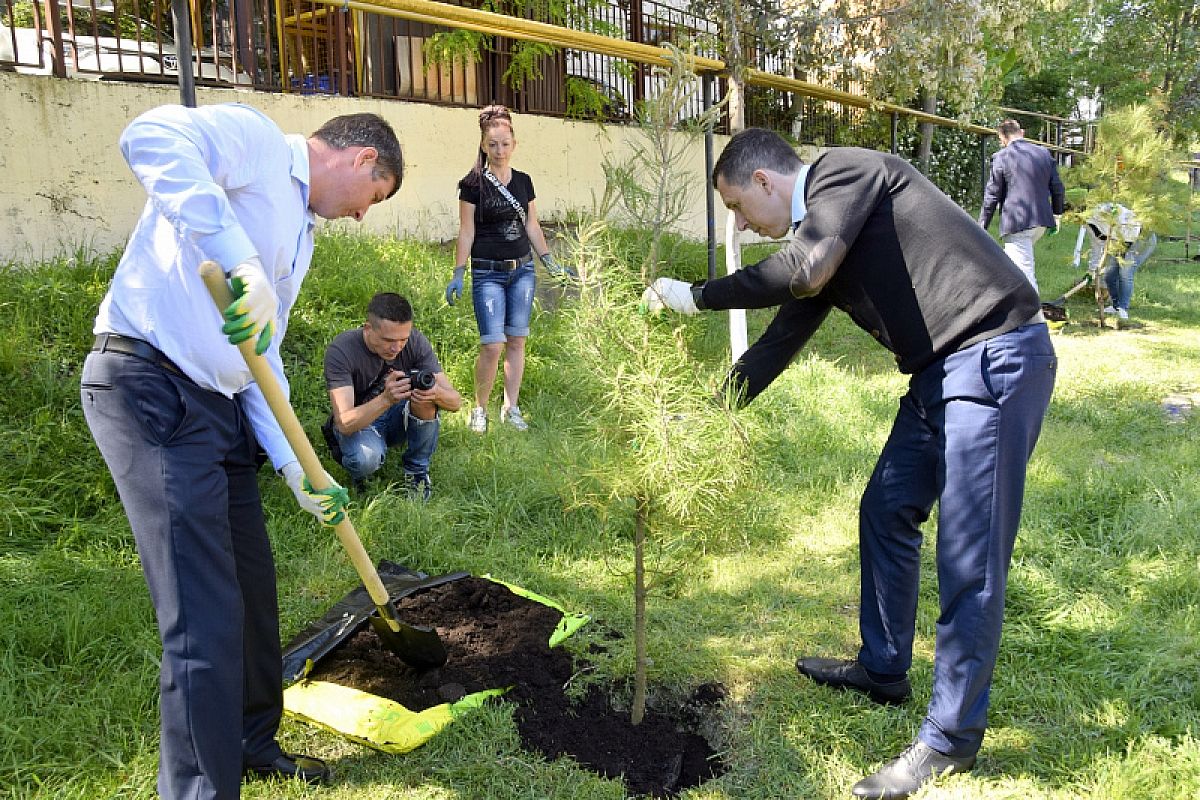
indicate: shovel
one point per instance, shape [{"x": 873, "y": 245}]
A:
[
  {"x": 1061, "y": 301},
  {"x": 417, "y": 646}
]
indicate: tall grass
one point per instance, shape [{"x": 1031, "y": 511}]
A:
[{"x": 1097, "y": 691}]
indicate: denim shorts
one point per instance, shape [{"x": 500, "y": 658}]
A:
[{"x": 503, "y": 301}]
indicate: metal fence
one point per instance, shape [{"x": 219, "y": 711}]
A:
[{"x": 355, "y": 49}]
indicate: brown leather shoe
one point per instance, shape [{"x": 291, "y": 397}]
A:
[
  {"x": 292, "y": 765},
  {"x": 906, "y": 773},
  {"x": 849, "y": 674}
]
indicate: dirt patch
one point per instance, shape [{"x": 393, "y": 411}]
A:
[{"x": 495, "y": 639}]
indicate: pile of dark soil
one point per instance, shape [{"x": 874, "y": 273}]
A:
[{"x": 495, "y": 639}]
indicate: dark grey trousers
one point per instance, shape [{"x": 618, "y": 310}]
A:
[{"x": 183, "y": 460}]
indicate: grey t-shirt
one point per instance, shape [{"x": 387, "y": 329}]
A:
[{"x": 349, "y": 362}]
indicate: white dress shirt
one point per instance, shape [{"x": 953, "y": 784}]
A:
[
  {"x": 799, "y": 208},
  {"x": 224, "y": 183}
]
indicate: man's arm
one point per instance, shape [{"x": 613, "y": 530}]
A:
[
  {"x": 1058, "y": 194},
  {"x": 443, "y": 394},
  {"x": 350, "y": 418},
  {"x": 187, "y": 158},
  {"x": 993, "y": 193},
  {"x": 764, "y": 361}
]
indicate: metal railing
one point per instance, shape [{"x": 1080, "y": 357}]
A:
[{"x": 378, "y": 48}]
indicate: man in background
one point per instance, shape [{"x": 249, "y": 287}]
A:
[
  {"x": 386, "y": 388},
  {"x": 1024, "y": 183}
]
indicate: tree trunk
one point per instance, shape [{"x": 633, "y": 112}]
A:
[
  {"x": 929, "y": 106},
  {"x": 641, "y": 662}
]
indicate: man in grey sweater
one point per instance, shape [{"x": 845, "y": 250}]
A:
[{"x": 875, "y": 239}]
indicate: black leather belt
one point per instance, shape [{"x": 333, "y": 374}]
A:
[
  {"x": 116, "y": 343},
  {"x": 506, "y": 265}
]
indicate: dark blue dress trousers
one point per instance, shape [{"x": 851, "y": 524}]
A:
[
  {"x": 183, "y": 459},
  {"x": 962, "y": 437}
]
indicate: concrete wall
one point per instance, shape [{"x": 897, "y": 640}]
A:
[{"x": 63, "y": 183}]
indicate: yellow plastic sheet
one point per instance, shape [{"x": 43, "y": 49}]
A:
[
  {"x": 384, "y": 724},
  {"x": 374, "y": 721}
]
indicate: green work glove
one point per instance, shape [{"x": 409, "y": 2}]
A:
[
  {"x": 1053, "y": 229},
  {"x": 327, "y": 505},
  {"x": 557, "y": 270},
  {"x": 252, "y": 313}
]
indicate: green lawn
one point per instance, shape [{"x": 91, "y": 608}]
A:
[{"x": 1097, "y": 690}]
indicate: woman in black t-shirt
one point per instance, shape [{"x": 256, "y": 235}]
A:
[{"x": 500, "y": 234}]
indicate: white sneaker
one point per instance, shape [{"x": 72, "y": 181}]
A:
[
  {"x": 1109, "y": 310},
  {"x": 477, "y": 421},
  {"x": 1122, "y": 314},
  {"x": 513, "y": 417}
]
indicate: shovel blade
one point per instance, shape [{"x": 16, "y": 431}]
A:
[{"x": 416, "y": 645}]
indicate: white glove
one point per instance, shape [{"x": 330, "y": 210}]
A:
[
  {"x": 327, "y": 505},
  {"x": 669, "y": 293},
  {"x": 252, "y": 313}
]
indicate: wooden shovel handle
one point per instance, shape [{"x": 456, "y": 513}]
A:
[{"x": 214, "y": 279}]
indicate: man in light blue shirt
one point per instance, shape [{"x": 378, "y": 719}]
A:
[{"x": 179, "y": 420}]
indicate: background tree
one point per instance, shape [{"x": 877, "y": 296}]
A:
[
  {"x": 644, "y": 187},
  {"x": 1130, "y": 166},
  {"x": 1137, "y": 50}
]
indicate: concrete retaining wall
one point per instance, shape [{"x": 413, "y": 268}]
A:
[{"x": 64, "y": 185}]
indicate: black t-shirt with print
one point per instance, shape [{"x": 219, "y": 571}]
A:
[{"x": 499, "y": 234}]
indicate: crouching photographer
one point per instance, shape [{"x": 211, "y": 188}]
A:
[{"x": 386, "y": 387}]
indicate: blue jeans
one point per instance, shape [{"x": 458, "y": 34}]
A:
[
  {"x": 363, "y": 451},
  {"x": 1118, "y": 272},
  {"x": 503, "y": 302},
  {"x": 962, "y": 438}
]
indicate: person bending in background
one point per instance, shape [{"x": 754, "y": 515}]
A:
[
  {"x": 179, "y": 421},
  {"x": 385, "y": 388},
  {"x": 1137, "y": 245},
  {"x": 877, "y": 240},
  {"x": 500, "y": 234},
  {"x": 1024, "y": 183}
]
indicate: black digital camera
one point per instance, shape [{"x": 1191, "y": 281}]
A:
[{"x": 421, "y": 379}]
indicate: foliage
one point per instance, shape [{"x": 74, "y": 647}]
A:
[
  {"x": 953, "y": 163},
  {"x": 655, "y": 430},
  {"x": 1138, "y": 50},
  {"x": 646, "y": 183},
  {"x": 943, "y": 48},
  {"x": 1131, "y": 165},
  {"x": 656, "y": 441},
  {"x": 527, "y": 58}
]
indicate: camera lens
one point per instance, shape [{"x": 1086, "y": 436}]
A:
[{"x": 421, "y": 379}]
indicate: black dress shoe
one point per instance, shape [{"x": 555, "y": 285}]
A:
[
  {"x": 291, "y": 765},
  {"x": 906, "y": 773},
  {"x": 849, "y": 674}
]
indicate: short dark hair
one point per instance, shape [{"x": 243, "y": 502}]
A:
[
  {"x": 389, "y": 306},
  {"x": 367, "y": 130},
  {"x": 751, "y": 149},
  {"x": 1009, "y": 129}
]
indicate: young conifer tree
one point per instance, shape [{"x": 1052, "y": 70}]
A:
[{"x": 662, "y": 450}]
